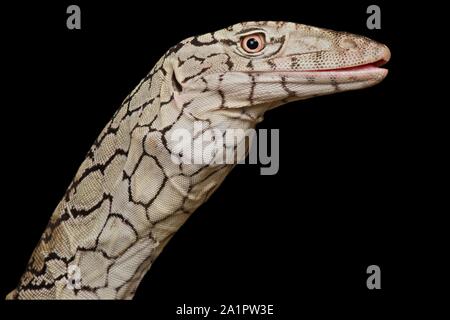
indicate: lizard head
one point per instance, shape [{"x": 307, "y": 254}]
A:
[{"x": 266, "y": 64}]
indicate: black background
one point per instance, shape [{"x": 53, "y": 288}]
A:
[{"x": 350, "y": 191}]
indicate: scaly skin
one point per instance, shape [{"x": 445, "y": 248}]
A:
[{"x": 128, "y": 198}]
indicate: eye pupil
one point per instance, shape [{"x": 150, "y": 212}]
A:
[{"x": 252, "y": 43}]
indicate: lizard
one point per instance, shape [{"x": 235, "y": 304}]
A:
[{"x": 129, "y": 196}]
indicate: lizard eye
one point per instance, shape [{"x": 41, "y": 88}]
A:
[{"x": 253, "y": 43}]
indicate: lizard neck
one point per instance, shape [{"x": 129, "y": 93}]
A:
[{"x": 125, "y": 203}]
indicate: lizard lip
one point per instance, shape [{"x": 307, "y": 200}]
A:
[
  {"x": 362, "y": 67},
  {"x": 366, "y": 68},
  {"x": 367, "y": 72}
]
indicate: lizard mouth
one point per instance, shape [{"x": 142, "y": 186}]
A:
[
  {"x": 362, "y": 67},
  {"x": 371, "y": 72}
]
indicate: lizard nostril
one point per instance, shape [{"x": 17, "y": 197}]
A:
[{"x": 347, "y": 44}]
